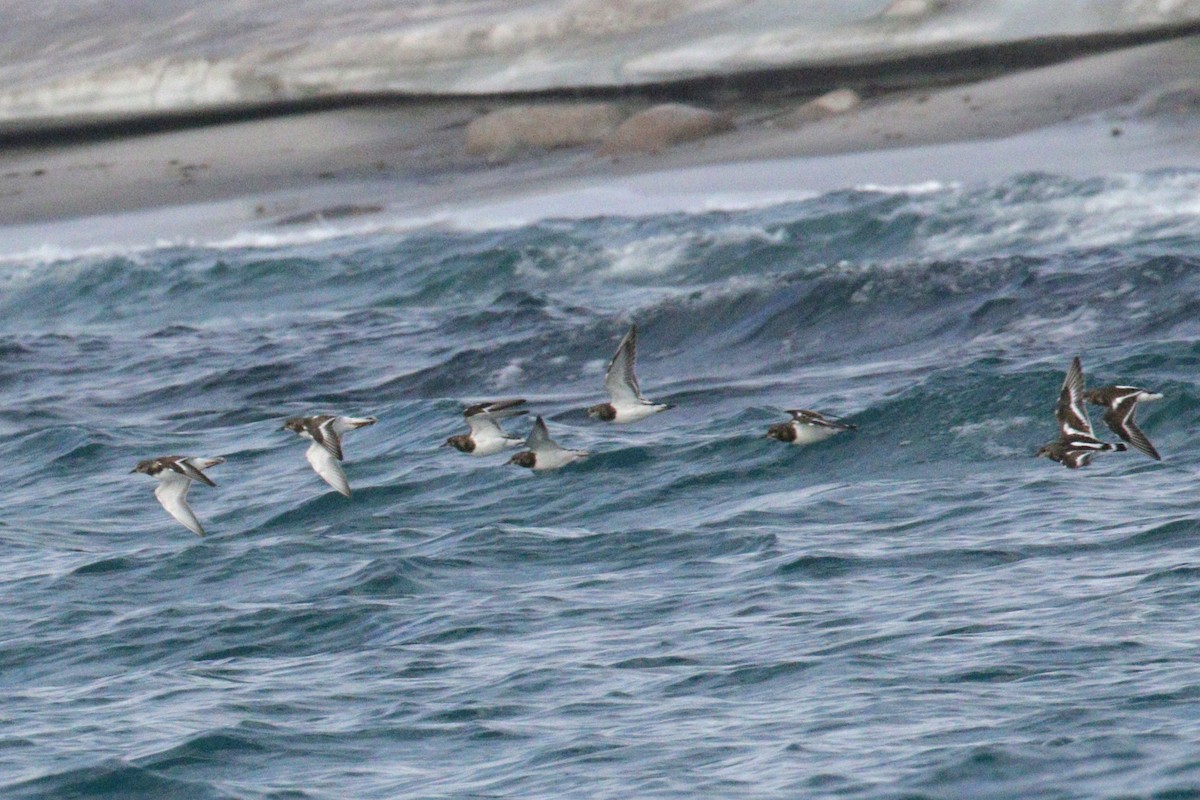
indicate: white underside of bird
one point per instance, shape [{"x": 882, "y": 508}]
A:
[
  {"x": 626, "y": 402},
  {"x": 328, "y": 467},
  {"x": 632, "y": 412},
  {"x": 486, "y": 445},
  {"x": 555, "y": 458},
  {"x": 172, "y": 491},
  {"x": 811, "y": 434}
]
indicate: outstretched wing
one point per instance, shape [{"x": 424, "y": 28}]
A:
[
  {"x": 620, "y": 381},
  {"x": 326, "y": 435},
  {"x": 172, "y": 492},
  {"x": 191, "y": 468},
  {"x": 1071, "y": 412},
  {"x": 328, "y": 467},
  {"x": 500, "y": 409},
  {"x": 539, "y": 438},
  {"x": 342, "y": 424},
  {"x": 484, "y": 418},
  {"x": 484, "y": 425},
  {"x": 821, "y": 420},
  {"x": 1075, "y": 459},
  {"x": 1119, "y": 418}
]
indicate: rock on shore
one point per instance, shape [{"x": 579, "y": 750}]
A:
[
  {"x": 663, "y": 126},
  {"x": 501, "y": 134}
]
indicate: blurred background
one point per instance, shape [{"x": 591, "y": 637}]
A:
[{"x": 62, "y": 59}]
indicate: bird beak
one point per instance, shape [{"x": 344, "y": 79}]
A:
[{"x": 133, "y": 470}]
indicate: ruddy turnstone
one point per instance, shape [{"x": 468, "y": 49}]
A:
[
  {"x": 325, "y": 452},
  {"x": 175, "y": 475},
  {"x": 806, "y": 427},
  {"x": 487, "y": 437},
  {"x": 1076, "y": 444},
  {"x": 544, "y": 453},
  {"x": 1120, "y": 404},
  {"x": 626, "y": 403}
]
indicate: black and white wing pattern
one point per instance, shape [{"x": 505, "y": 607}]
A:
[
  {"x": 1074, "y": 459},
  {"x": 1071, "y": 411},
  {"x": 620, "y": 381},
  {"x": 191, "y": 468},
  {"x": 484, "y": 418},
  {"x": 819, "y": 420},
  {"x": 324, "y": 432},
  {"x": 1122, "y": 405}
]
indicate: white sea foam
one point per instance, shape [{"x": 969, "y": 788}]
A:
[
  {"x": 511, "y": 374},
  {"x": 915, "y": 189},
  {"x": 1080, "y": 324},
  {"x": 1030, "y": 215},
  {"x": 655, "y": 254},
  {"x": 1075, "y": 216}
]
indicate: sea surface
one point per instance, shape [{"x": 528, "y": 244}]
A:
[{"x": 919, "y": 609}]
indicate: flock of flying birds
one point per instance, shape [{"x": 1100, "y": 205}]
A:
[
  {"x": 1074, "y": 448},
  {"x": 1077, "y": 444}
]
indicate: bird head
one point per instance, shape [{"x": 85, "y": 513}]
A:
[
  {"x": 782, "y": 431},
  {"x": 525, "y": 458},
  {"x": 603, "y": 411},
  {"x": 462, "y": 443},
  {"x": 148, "y": 467}
]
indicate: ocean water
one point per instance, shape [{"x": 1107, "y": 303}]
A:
[{"x": 920, "y": 609}]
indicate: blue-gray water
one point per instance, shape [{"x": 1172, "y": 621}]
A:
[{"x": 920, "y": 609}]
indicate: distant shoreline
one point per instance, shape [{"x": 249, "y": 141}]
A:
[
  {"x": 952, "y": 65},
  {"x": 261, "y": 170}
]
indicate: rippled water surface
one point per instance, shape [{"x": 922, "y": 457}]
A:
[{"x": 918, "y": 609}]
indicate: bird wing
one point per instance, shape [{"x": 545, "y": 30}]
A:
[
  {"x": 821, "y": 420},
  {"x": 539, "y": 438},
  {"x": 328, "y": 467},
  {"x": 1071, "y": 411},
  {"x": 327, "y": 436},
  {"x": 500, "y": 409},
  {"x": 484, "y": 424},
  {"x": 1119, "y": 418},
  {"x": 340, "y": 425},
  {"x": 191, "y": 468},
  {"x": 620, "y": 381},
  {"x": 1077, "y": 458},
  {"x": 172, "y": 492},
  {"x": 484, "y": 419}
]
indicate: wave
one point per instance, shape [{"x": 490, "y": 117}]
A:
[
  {"x": 1035, "y": 214},
  {"x": 115, "y": 779},
  {"x": 690, "y": 570},
  {"x": 830, "y": 290}
]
